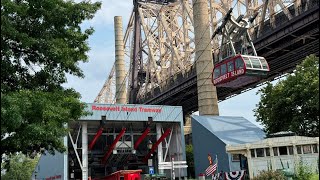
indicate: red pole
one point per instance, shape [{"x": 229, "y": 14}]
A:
[
  {"x": 95, "y": 138},
  {"x": 154, "y": 146},
  {"x": 144, "y": 134},
  {"x": 106, "y": 156}
]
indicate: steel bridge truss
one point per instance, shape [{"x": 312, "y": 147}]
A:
[{"x": 159, "y": 40}]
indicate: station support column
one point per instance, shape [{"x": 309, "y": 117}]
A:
[
  {"x": 84, "y": 136},
  {"x": 160, "y": 152}
]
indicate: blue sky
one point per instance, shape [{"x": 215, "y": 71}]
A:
[{"x": 101, "y": 59}]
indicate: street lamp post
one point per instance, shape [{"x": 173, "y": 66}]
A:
[{"x": 150, "y": 160}]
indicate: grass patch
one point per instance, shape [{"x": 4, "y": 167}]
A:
[{"x": 315, "y": 177}]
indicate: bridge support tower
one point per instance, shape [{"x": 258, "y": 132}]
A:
[
  {"x": 207, "y": 93},
  {"x": 121, "y": 95}
]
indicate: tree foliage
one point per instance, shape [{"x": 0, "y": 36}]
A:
[
  {"x": 32, "y": 120},
  {"x": 18, "y": 166},
  {"x": 293, "y": 103},
  {"x": 41, "y": 42},
  {"x": 190, "y": 160}
]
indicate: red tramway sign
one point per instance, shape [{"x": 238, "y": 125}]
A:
[{"x": 239, "y": 70}]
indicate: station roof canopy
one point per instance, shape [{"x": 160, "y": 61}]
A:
[
  {"x": 133, "y": 112},
  {"x": 229, "y": 129}
]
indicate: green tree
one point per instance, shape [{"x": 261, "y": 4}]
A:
[
  {"x": 20, "y": 167},
  {"x": 190, "y": 160},
  {"x": 293, "y": 103},
  {"x": 41, "y": 42}
]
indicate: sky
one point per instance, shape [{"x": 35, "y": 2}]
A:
[{"x": 101, "y": 59}]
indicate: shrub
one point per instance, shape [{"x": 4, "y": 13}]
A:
[
  {"x": 303, "y": 172},
  {"x": 270, "y": 175}
]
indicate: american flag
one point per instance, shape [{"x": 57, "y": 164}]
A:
[{"x": 211, "y": 169}]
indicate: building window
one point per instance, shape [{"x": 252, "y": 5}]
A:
[
  {"x": 315, "y": 148},
  {"x": 290, "y": 149},
  {"x": 307, "y": 149},
  {"x": 275, "y": 151},
  {"x": 283, "y": 150},
  {"x": 235, "y": 157},
  {"x": 299, "y": 150},
  {"x": 260, "y": 152},
  {"x": 267, "y": 152},
  {"x": 252, "y": 153}
]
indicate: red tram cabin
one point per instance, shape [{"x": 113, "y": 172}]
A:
[{"x": 239, "y": 71}]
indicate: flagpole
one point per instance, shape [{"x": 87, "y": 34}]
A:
[{"x": 217, "y": 162}]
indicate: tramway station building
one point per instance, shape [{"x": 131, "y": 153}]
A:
[{"x": 119, "y": 138}]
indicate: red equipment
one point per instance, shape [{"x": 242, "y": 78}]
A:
[
  {"x": 126, "y": 174},
  {"x": 144, "y": 134},
  {"x": 106, "y": 156},
  {"x": 95, "y": 138},
  {"x": 154, "y": 146}
]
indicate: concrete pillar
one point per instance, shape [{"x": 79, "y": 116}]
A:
[
  {"x": 160, "y": 152},
  {"x": 121, "y": 95},
  {"x": 84, "y": 136},
  {"x": 273, "y": 164},
  {"x": 249, "y": 161},
  {"x": 207, "y": 93}
]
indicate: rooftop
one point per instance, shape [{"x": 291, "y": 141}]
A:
[{"x": 230, "y": 129}]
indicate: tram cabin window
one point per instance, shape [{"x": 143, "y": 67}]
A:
[
  {"x": 247, "y": 61},
  {"x": 306, "y": 149},
  {"x": 260, "y": 152},
  {"x": 230, "y": 66},
  {"x": 267, "y": 151},
  {"x": 252, "y": 153},
  {"x": 290, "y": 149},
  {"x": 299, "y": 150},
  {"x": 275, "y": 151},
  {"x": 223, "y": 69},
  {"x": 315, "y": 148},
  {"x": 239, "y": 63},
  {"x": 264, "y": 63},
  {"x": 255, "y": 63},
  {"x": 216, "y": 72},
  {"x": 283, "y": 150}
]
